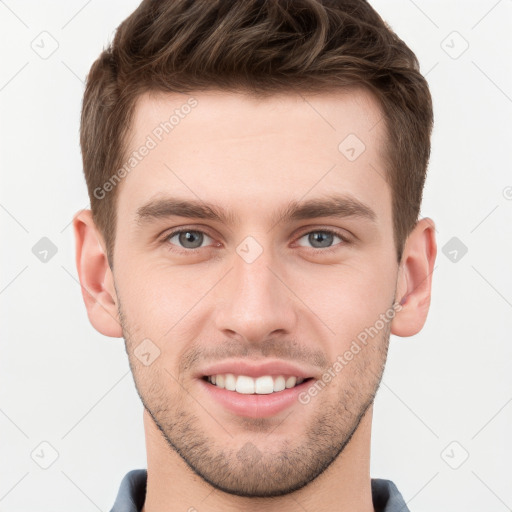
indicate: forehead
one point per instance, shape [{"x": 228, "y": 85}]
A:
[
  {"x": 251, "y": 153},
  {"x": 159, "y": 114}
]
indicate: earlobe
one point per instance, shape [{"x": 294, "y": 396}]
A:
[
  {"x": 415, "y": 279},
  {"x": 95, "y": 276}
]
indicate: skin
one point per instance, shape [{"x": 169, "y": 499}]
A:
[{"x": 294, "y": 302}]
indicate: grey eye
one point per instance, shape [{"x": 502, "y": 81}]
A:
[
  {"x": 188, "y": 238},
  {"x": 320, "y": 239}
]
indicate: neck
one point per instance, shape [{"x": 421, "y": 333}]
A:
[{"x": 345, "y": 486}]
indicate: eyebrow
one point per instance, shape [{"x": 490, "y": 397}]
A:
[{"x": 339, "y": 206}]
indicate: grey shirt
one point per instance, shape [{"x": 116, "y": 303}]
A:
[{"x": 132, "y": 493}]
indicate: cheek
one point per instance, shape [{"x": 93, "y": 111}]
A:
[
  {"x": 349, "y": 299},
  {"x": 165, "y": 305},
  {"x": 156, "y": 297}
]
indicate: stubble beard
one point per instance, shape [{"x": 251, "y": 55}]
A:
[{"x": 251, "y": 468}]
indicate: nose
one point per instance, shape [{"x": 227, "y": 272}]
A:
[{"x": 255, "y": 300}]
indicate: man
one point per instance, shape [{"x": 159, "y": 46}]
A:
[{"x": 255, "y": 170}]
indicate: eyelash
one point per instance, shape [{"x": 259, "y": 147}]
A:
[{"x": 324, "y": 250}]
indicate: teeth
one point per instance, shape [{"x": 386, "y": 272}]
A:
[
  {"x": 264, "y": 385},
  {"x": 279, "y": 383},
  {"x": 230, "y": 382},
  {"x": 245, "y": 385},
  {"x": 290, "y": 382}
]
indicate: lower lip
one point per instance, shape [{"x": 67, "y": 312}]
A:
[{"x": 255, "y": 406}]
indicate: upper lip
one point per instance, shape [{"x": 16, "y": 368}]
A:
[{"x": 255, "y": 368}]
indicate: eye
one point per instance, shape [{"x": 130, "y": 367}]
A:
[
  {"x": 323, "y": 239},
  {"x": 188, "y": 239}
]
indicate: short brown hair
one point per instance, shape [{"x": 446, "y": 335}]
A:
[{"x": 260, "y": 47}]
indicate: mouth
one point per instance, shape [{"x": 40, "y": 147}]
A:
[
  {"x": 254, "y": 397},
  {"x": 247, "y": 385},
  {"x": 256, "y": 388}
]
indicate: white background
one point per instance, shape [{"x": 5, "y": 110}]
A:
[{"x": 64, "y": 383}]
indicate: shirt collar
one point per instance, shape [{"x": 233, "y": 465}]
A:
[{"x": 132, "y": 493}]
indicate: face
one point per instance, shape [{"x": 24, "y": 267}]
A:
[{"x": 254, "y": 246}]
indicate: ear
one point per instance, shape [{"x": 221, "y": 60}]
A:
[
  {"x": 415, "y": 279},
  {"x": 96, "y": 276}
]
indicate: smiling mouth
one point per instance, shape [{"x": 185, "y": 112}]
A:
[{"x": 264, "y": 385}]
